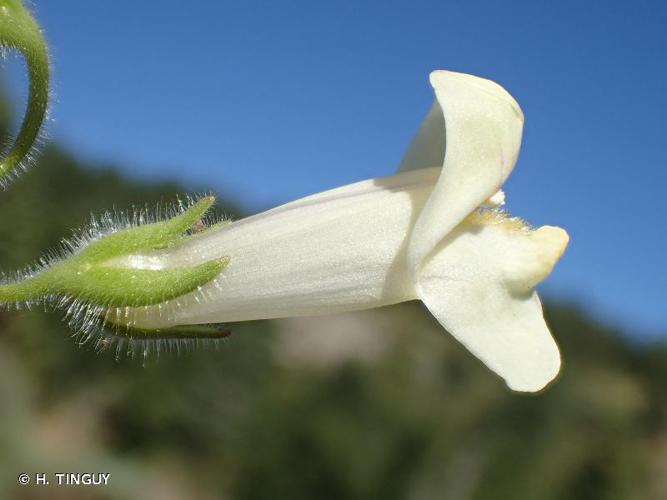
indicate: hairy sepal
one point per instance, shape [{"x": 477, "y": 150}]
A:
[{"x": 96, "y": 283}]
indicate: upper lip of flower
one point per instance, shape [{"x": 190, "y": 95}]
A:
[{"x": 482, "y": 124}]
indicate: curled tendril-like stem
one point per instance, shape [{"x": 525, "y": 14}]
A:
[{"x": 19, "y": 31}]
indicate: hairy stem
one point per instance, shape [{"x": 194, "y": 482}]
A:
[{"x": 20, "y": 31}]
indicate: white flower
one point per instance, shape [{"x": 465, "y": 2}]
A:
[{"x": 429, "y": 232}]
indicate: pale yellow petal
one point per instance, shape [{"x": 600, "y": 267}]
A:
[
  {"x": 479, "y": 285},
  {"x": 483, "y": 126}
]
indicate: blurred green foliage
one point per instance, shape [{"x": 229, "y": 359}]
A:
[{"x": 397, "y": 410}]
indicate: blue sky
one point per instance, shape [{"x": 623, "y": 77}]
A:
[{"x": 270, "y": 101}]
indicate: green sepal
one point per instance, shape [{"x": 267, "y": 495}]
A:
[
  {"x": 156, "y": 236},
  {"x": 120, "y": 287},
  {"x": 212, "y": 332},
  {"x": 93, "y": 277}
]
